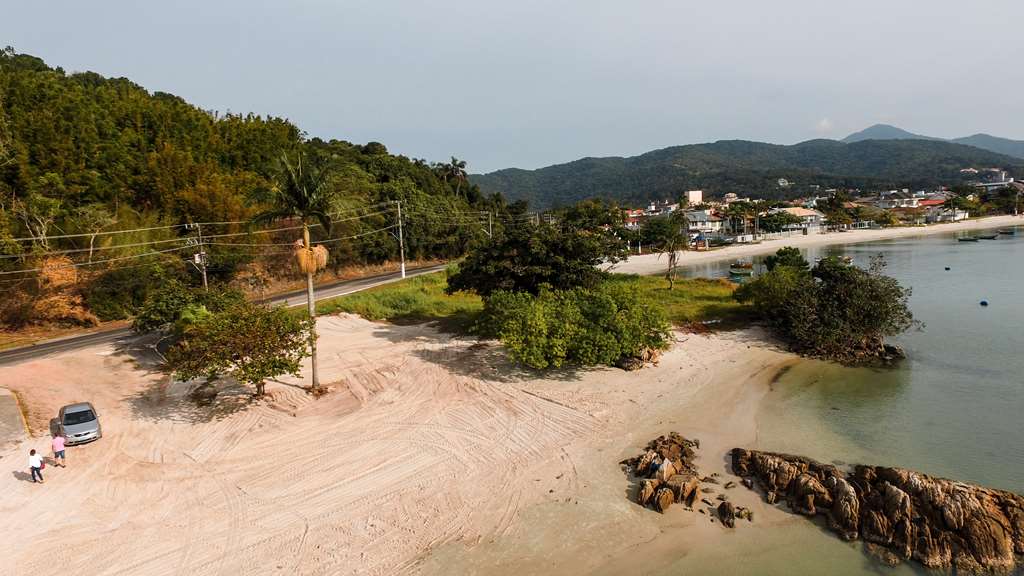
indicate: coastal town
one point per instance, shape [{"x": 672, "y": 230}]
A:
[{"x": 730, "y": 218}]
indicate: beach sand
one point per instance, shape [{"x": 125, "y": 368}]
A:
[
  {"x": 652, "y": 264},
  {"x": 431, "y": 454}
]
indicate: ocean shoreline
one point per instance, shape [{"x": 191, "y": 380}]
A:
[{"x": 653, "y": 264}]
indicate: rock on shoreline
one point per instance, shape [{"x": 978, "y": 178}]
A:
[{"x": 937, "y": 522}]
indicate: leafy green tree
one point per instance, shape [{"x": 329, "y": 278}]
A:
[
  {"x": 248, "y": 342},
  {"x": 526, "y": 257},
  {"x": 167, "y": 305},
  {"x": 837, "y": 310},
  {"x": 787, "y": 256},
  {"x": 778, "y": 221},
  {"x": 301, "y": 193}
]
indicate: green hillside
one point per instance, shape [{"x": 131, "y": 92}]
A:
[
  {"x": 746, "y": 168},
  {"x": 84, "y": 158}
]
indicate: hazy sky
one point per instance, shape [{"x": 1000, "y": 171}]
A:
[{"x": 529, "y": 83}]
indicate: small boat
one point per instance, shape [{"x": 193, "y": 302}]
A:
[
  {"x": 842, "y": 259},
  {"x": 989, "y": 236},
  {"x": 967, "y": 239},
  {"x": 741, "y": 269},
  {"x": 1008, "y": 232}
]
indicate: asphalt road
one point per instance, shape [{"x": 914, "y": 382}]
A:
[{"x": 290, "y": 299}]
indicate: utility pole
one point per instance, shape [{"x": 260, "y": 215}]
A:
[
  {"x": 199, "y": 258},
  {"x": 401, "y": 240},
  {"x": 490, "y": 228}
]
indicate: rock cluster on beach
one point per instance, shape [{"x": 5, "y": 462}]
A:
[
  {"x": 666, "y": 475},
  {"x": 900, "y": 513}
]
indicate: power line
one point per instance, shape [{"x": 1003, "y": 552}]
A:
[
  {"x": 95, "y": 262},
  {"x": 169, "y": 227},
  {"x": 95, "y": 249},
  {"x": 175, "y": 226}
]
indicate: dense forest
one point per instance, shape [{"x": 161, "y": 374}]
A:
[
  {"x": 747, "y": 168},
  {"x": 85, "y": 159}
]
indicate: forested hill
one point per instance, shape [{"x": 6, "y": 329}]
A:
[
  {"x": 746, "y": 168},
  {"x": 83, "y": 152},
  {"x": 102, "y": 185}
]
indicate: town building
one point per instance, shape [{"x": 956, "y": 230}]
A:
[
  {"x": 809, "y": 219},
  {"x": 704, "y": 222}
]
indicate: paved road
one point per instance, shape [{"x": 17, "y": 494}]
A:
[{"x": 290, "y": 299}]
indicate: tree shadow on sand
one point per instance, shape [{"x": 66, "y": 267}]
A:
[
  {"x": 479, "y": 359},
  {"x": 168, "y": 398}
]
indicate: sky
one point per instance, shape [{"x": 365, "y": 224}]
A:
[{"x": 529, "y": 83}]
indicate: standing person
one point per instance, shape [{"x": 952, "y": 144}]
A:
[
  {"x": 58, "y": 450},
  {"x": 35, "y": 463}
]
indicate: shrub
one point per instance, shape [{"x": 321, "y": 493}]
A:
[
  {"x": 836, "y": 310},
  {"x": 119, "y": 293},
  {"x": 167, "y": 305},
  {"x": 577, "y": 327}
]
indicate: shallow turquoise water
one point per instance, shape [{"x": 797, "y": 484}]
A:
[{"x": 954, "y": 408}]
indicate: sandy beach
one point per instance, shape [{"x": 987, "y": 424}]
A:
[
  {"x": 652, "y": 264},
  {"x": 430, "y": 455}
]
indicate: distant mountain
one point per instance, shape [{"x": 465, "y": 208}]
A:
[
  {"x": 884, "y": 132},
  {"x": 1006, "y": 146},
  {"x": 746, "y": 168}
]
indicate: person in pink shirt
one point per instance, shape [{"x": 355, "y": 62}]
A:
[{"x": 58, "y": 450}]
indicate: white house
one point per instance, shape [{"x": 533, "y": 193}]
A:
[
  {"x": 694, "y": 197},
  {"x": 705, "y": 222},
  {"x": 898, "y": 199}
]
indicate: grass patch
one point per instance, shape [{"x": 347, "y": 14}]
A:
[
  {"x": 423, "y": 299},
  {"x": 410, "y": 301},
  {"x": 693, "y": 301}
]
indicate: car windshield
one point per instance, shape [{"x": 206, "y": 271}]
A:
[{"x": 72, "y": 418}]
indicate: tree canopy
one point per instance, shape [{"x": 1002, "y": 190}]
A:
[
  {"x": 834, "y": 310},
  {"x": 525, "y": 257},
  {"x": 248, "y": 342}
]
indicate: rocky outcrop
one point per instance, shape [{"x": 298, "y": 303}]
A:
[
  {"x": 665, "y": 472},
  {"x": 727, "y": 514},
  {"x": 912, "y": 516}
]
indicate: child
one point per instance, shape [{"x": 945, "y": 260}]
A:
[
  {"x": 58, "y": 450},
  {"x": 35, "y": 463}
]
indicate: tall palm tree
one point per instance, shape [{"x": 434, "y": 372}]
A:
[
  {"x": 456, "y": 170},
  {"x": 676, "y": 238},
  {"x": 301, "y": 192}
]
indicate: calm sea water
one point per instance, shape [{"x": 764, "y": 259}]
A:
[{"x": 954, "y": 408}]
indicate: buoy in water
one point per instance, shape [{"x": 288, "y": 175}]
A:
[
  {"x": 947, "y": 267},
  {"x": 984, "y": 302}
]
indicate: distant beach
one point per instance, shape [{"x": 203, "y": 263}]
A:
[{"x": 652, "y": 264}]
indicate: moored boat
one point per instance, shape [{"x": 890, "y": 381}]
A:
[
  {"x": 741, "y": 269},
  {"x": 988, "y": 236},
  {"x": 1007, "y": 231},
  {"x": 967, "y": 239}
]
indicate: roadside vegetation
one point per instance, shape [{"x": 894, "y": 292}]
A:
[
  {"x": 411, "y": 301},
  {"x": 100, "y": 209}
]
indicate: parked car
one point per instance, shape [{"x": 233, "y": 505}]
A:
[{"x": 80, "y": 423}]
